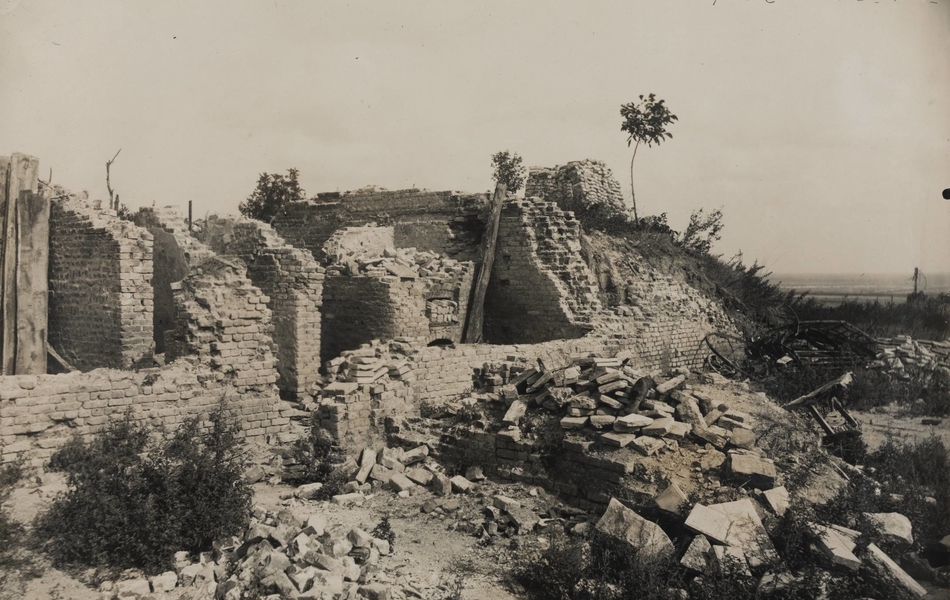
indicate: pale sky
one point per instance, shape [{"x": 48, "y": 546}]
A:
[{"x": 821, "y": 127}]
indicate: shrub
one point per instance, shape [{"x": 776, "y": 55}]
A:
[
  {"x": 926, "y": 318},
  {"x": 133, "y": 502},
  {"x": 314, "y": 460},
  {"x": 384, "y": 531}
]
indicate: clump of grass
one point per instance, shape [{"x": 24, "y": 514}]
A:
[{"x": 11, "y": 532}]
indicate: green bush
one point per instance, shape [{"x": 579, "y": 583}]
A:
[{"x": 133, "y": 501}]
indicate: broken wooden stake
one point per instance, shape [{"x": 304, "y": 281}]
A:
[{"x": 476, "y": 313}]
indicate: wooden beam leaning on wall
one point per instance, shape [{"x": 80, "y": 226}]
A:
[
  {"x": 20, "y": 174},
  {"x": 32, "y": 286},
  {"x": 476, "y": 313}
]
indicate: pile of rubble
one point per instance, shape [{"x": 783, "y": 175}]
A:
[
  {"x": 621, "y": 405},
  {"x": 372, "y": 361},
  {"x": 730, "y": 538},
  {"x": 404, "y": 263},
  {"x": 903, "y": 351},
  {"x": 292, "y": 554}
]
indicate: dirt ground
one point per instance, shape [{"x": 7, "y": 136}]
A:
[{"x": 878, "y": 427}]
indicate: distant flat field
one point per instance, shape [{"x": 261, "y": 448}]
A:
[{"x": 835, "y": 288}]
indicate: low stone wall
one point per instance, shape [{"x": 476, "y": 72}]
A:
[
  {"x": 38, "y": 414},
  {"x": 293, "y": 283},
  {"x": 449, "y": 223},
  {"x": 100, "y": 287}
]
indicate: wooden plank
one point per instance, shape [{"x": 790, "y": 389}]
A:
[
  {"x": 32, "y": 284},
  {"x": 22, "y": 176},
  {"x": 4, "y": 176},
  {"x": 476, "y": 313}
]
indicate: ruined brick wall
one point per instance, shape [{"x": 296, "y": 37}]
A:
[
  {"x": 540, "y": 288},
  {"x": 355, "y": 414},
  {"x": 291, "y": 280},
  {"x": 369, "y": 240},
  {"x": 586, "y": 187},
  {"x": 100, "y": 287},
  {"x": 445, "y": 222},
  {"x": 174, "y": 250},
  {"x": 39, "y": 414},
  {"x": 224, "y": 321},
  {"x": 360, "y": 308}
]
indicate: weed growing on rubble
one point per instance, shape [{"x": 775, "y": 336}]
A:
[
  {"x": 314, "y": 460},
  {"x": 134, "y": 501}
]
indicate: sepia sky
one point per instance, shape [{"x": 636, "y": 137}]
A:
[{"x": 821, "y": 127}]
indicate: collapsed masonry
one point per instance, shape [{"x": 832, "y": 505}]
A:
[{"x": 373, "y": 284}]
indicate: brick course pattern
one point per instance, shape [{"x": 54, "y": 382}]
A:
[
  {"x": 361, "y": 308},
  {"x": 586, "y": 187},
  {"x": 293, "y": 283},
  {"x": 223, "y": 320},
  {"x": 38, "y": 414},
  {"x": 449, "y": 223},
  {"x": 355, "y": 414},
  {"x": 100, "y": 287},
  {"x": 541, "y": 289}
]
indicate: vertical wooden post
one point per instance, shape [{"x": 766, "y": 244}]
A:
[
  {"x": 189, "y": 216},
  {"x": 476, "y": 312},
  {"x": 22, "y": 175},
  {"x": 32, "y": 282},
  {"x": 4, "y": 181}
]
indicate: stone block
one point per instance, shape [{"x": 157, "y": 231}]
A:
[{"x": 624, "y": 524}]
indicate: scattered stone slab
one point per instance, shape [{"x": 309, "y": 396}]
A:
[
  {"x": 515, "y": 412},
  {"x": 894, "y": 527},
  {"x": 441, "y": 485},
  {"x": 734, "y": 524},
  {"x": 522, "y": 518},
  {"x": 668, "y": 386},
  {"x": 354, "y": 499},
  {"x": 672, "y": 500},
  {"x": 648, "y": 445},
  {"x": 717, "y": 436},
  {"x": 618, "y": 440},
  {"x": 417, "y": 454},
  {"x": 837, "y": 544},
  {"x": 624, "y": 524},
  {"x": 505, "y": 503},
  {"x": 891, "y": 570},
  {"x": 420, "y": 476},
  {"x": 461, "y": 485},
  {"x": 757, "y": 471},
  {"x": 601, "y": 421},
  {"x": 367, "y": 462},
  {"x": 474, "y": 473},
  {"x": 132, "y": 588},
  {"x": 729, "y": 560},
  {"x": 573, "y": 423},
  {"x": 659, "y": 427},
  {"x": 679, "y": 430},
  {"x": 742, "y": 438},
  {"x": 400, "y": 482},
  {"x": 696, "y": 557},
  {"x": 308, "y": 491},
  {"x": 631, "y": 423},
  {"x": 777, "y": 499},
  {"x": 165, "y": 582}
]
